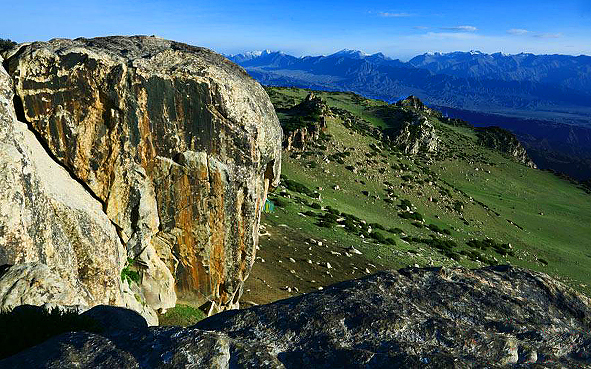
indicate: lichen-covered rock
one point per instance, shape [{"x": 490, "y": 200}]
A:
[
  {"x": 179, "y": 144},
  {"x": 62, "y": 246},
  {"x": 414, "y": 318}
]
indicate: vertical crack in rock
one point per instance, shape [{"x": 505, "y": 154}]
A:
[
  {"x": 62, "y": 247},
  {"x": 20, "y": 115}
]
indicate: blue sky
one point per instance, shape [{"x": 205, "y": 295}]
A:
[{"x": 398, "y": 29}]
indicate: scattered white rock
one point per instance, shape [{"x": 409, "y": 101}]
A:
[
  {"x": 328, "y": 265},
  {"x": 353, "y": 250}
]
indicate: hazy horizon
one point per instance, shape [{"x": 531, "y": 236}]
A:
[{"x": 394, "y": 56}]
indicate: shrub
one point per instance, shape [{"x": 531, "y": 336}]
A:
[
  {"x": 434, "y": 228},
  {"x": 377, "y": 226},
  {"x": 316, "y": 205},
  {"x": 129, "y": 273},
  {"x": 181, "y": 315},
  {"x": 278, "y": 201},
  {"x": 378, "y": 237},
  {"x": 6, "y": 44}
]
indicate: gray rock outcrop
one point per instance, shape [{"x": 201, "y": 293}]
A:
[
  {"x": 506, "y": 142},
  {"x": 174, "y": 146},
  {"x": 416, "y": 136},
  {"x": 310, "y": 120},
  {"x": 413, "y": 318}
]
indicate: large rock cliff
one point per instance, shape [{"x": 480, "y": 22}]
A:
[
  {"x": 176, "y": 147},
  {"x": 413, "y": 318}
]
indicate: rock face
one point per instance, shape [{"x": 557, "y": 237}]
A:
[
  {"x": 505, "y": 142},
  {"x": 176, "y": 145},
  {"x": 413, "y": 318},
  {"x": 62, "y": 247}
]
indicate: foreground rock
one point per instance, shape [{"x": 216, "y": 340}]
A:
[
  {"x": 176, "y": 146},
  {"x": 435, "y": 318}
]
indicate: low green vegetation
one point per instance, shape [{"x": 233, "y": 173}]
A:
[
  {"x": 130, "y": 272},
  {"x": 181, "y": 315},
  {"x": 464, "y": 204}
]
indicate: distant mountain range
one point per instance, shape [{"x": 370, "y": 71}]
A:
[
  {"x": 549, "y": 87},
  {"x": 538, "y": 97}
]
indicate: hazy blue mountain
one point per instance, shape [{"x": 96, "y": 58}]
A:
[
  {"x": 573, "y": 72},
  {"x": 549, "y": 87}
]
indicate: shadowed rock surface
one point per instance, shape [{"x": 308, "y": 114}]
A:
[
  {"x": 176, "y": 144},
  {"x": 506, "y": 142},
  {"x": 412, "y": 318}
]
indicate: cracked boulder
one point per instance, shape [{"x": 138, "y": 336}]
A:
[
  {"x": 178, "y": 144},
  {"x": 57, "y": 245}
]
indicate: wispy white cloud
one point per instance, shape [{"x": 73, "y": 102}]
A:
[
  {"x": 460, "y": 28},
  {"x": 548, "y": 35},
  {"x": 450, "y": 35},
  {"x": 517, "y": 31},
  {"x": 420, "y": 27},
  {"x": 395, "y": 15}
]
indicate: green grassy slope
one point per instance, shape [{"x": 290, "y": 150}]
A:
[{"x": 463, "y": 192}]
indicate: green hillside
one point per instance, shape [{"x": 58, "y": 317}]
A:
[{"x": 462, "y": 203}]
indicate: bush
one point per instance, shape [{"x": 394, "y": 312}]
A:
[
  {"x": 378, "y": 237},
  {"x": 396, "y": 230},
  {"x": 316, "y": 205},
  {"x": 278, "y": 201},
  {"x": 6, "y": 44},
  {"x": 129, "y": 273},
  {"x": 181, "y": 315},
  {"x": 435, "y": 228}
]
